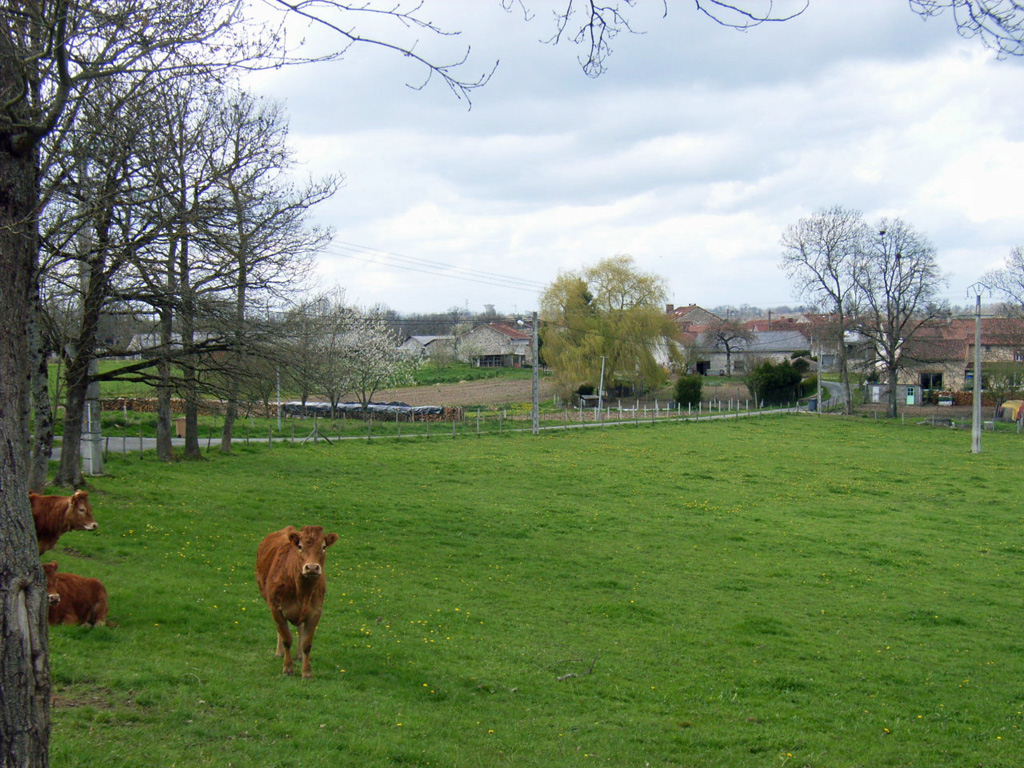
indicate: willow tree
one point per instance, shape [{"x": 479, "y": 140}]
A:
[{"x": 609, "y": 317}]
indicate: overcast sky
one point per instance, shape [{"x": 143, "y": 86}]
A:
[{"x": 692, "y": 153}]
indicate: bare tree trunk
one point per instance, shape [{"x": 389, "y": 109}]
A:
[
  {"x": 95, "y": 290},
  {"x": 242, "y": 256},
  {"x": 844, "y": 376},
  {"x": 893, "y": 407},
  {"x": 24, "y": 663},
  {"x": 191, "y": 397},
  {"x": 187, "y": 318},
  {"x": 191, "y": 389},
  {"x": 230, "y": 416},
  {"x": 164, "y": 447},
  {"x": 69, "y": 472},
  {"x": 42, "y": 412}
]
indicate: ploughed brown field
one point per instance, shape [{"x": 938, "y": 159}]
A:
[
  {"x": 485, "y": 392},
  {"x": 497, "y": 392}
]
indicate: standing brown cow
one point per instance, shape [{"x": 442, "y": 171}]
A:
[
  {"x": 291, "y": 578},
  {"x": 55, "y": 515},
  {"x": 79, "y": 600}
]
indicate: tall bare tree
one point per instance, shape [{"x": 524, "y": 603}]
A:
[
  {"x": 91, "y": 228},
  {"x": 1009, "y": 281},
  {"x": 899, "y": 280},
  {"x": 262, "y": 234},
  {"x": 49, "y": 51},
  {"x": 819, "y": 254}
]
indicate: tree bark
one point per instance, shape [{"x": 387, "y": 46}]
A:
[
  {"x": 42, "y": 411},
  {"x": 69, "y": 472},
  {"x": 24, "y": 664},
  {"x": 893, "y": 387},
  {"x": 242, "y": 256},
  {"x": 164, "y": 446},
  {"x": 230, "y": 416}
]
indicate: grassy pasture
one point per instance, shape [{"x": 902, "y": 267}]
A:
[{"x": 787, "y": 591}]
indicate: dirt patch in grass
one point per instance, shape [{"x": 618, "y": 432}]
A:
[{"x": 100, "y": 698}]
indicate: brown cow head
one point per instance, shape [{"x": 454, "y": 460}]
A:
[
  {"x": 312, "y": 544},
  {"x": 51, "y": 583},
  {"x": 80, "y": 513}
]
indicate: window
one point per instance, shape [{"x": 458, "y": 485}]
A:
[{"x": 931, "y": 381}]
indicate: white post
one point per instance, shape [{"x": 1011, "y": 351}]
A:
[
  {"x": 976, "y": 427},
  {"x": 536, "y": 378}
]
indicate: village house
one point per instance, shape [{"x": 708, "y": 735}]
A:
[
  {"x": 496, "y": 345},
  {"x": 940, "y": 356},
  {"x": 775, "y": 339},
  {"x": 775, "y": 346}
]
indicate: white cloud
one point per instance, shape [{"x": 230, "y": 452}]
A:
[{"x": 693, "y": 153}]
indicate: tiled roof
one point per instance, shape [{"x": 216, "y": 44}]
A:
[{"x": 508, "y": 330}]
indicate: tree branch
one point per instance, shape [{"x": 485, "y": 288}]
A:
[{"x": 999, "y": 23}]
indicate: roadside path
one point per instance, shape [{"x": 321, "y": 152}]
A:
[{"x": 119, "y": 444}]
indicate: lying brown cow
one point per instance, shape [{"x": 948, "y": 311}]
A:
[
  {"x": 55, "y": 515},
  {"x": 291, "y": 578},
  {"x": 78, "y": 600}
]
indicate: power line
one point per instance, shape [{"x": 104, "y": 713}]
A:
[{"x": 432, "y": 267}]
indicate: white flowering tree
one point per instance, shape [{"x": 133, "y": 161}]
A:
[{"x": 372, "y": 359}]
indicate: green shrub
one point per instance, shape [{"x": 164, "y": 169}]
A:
[
  {"x": 773, "y": 383},
  {"x": 688, "y": 388}
]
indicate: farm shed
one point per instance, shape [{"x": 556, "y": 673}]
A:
[{"x": 426, "y": 346}]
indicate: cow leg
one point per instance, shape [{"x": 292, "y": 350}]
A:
[
  {"x": 284, "y": 642},
  {"x": 306, "y": 630}
]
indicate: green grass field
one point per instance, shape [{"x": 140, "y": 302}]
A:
[{"x": 786, "y": 591}]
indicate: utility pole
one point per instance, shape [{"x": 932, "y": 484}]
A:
[
  {"x": 600, "y": 391},
  {"x": 977, "y": 289},
  {"x": 536, "y": 377}
]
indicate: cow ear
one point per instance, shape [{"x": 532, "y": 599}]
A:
[
  {"x": 330, "y": 538},
  {"x": 294, "y": 538},
  {"x": 50, "y": 567}
]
